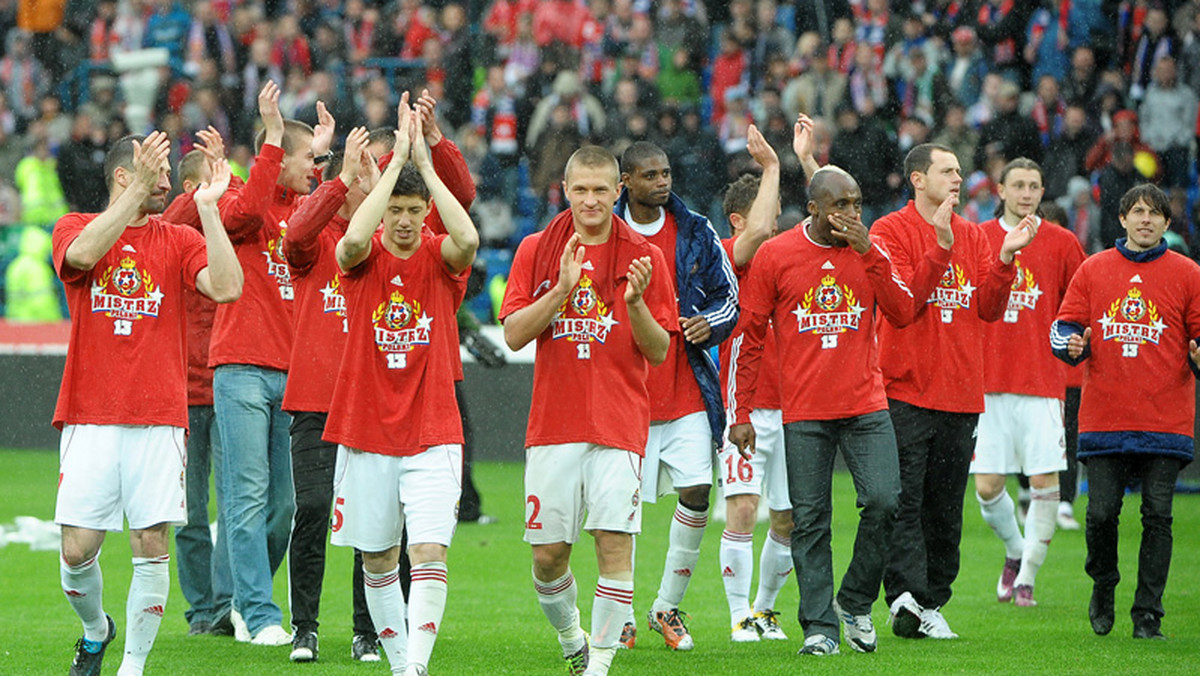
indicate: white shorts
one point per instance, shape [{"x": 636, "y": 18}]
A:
[
  {"x": 679, "y": 450},
  {"x": 1020, "y": 433},
  {"x": 376, "y": 496},
  {"x": 109, "y": 471},
  {"x": 765, "y": 473},
  {"x": 564, "y": 480}
]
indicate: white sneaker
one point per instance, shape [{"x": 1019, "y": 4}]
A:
[
  {"x": 1066, "y": 517},
  {"x": 416, "y": 670},
  {"x": 934, "y": 625},
  {"x": 744, "y": 631},
  {"x": 906, "y": 616},
  {"x": 860, "y": 630},
  {"x": 272, "y": 635},
  {"x": 819, "y": 645},
  {"x": 767, "y": 623},
  {"x": 240, "y": 631}
]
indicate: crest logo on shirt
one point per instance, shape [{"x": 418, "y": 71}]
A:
[
  {"x": 395, "y": 328},
  {"x": 952, "y": 293},
  {"x": 126, "y": 292},
  {"x": 827, "y": 310},
  {"x": 1132, "y": 321},
  {"x": 583, "y": 317},
  {"x": 332, "y": 299},
  {"x": 1023, "y": 295},
  {"x": 277, "y": 264}
]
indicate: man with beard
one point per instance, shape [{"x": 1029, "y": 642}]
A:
[{"x": 122, "y": 407}]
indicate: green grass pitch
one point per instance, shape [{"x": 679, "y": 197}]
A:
[{"x": 493, "y": 624}]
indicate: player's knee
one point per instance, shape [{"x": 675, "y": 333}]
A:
[
  {"x": 695, "y": 498},
  {"x": 741, "y": 511},
  {"x": 427, "y": 553},
  {"x": 781, "y": 523},
  {"x": 550, "y": 562},
  {"x": 988, "y": 486},
  {"x": 1044, "y": 481},
  {"x": 381, "y": 562}
]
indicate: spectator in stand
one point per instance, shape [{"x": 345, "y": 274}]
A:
[
  {"x": 1000, "y": 25},
  {"x": 168, "y": 28},
  {"x": 697, "y": 161},
  {"x": 524, "y": 57},
  {"x": 842, "y": 46},
  {"x": 1079, "y": 84},
  {"x": 36, "y": 177},
  {"x": 561, "y": 21},
  {"x": 31, "y": 294},
  {"x": 81, "y": 166},
  {"x": 1117, "y": 178},
  {"x": 456, "y": 59},
  {"x": 921, "y": 91},
  {"x": 957, "y": 136},
  {"x": 770, "y": 38},
  {"x": 583, "y": 109},
  {"x": 816, "y": 91},
  {"x": 878, "y": 171},
  {"x": 1048, "y": 110},
  {"x": 494, "y": 119},
  {"x": 290, "y": 47},
  {"x": 1066, "y": 154},
  {"x": 101, "y": 36},
  {"x": 676, "y": 28},
  {"x": 1168, "y": 122},
  {"x": 548, "y": 157},
  {"x": 407, "y": 30},
  {"x": 1125, "y": 129},
  {"x": 729, "y": 69},
  {"x": 735, "y": 124},
  {"x": 22, "y": 76},
  {"x": 967, "y": 68},
  {"x": 358, "y": 29},
  {"x": 1083, "y": 214},
  {"x": 678, "y": 82},
  {"x": 869, "y": 90},
  {"x": 1009, "y": 134},
  {"x": 623, "y": 105},
  {"x": 876, "y": 25},
  {"x": 1156, "y": 41},
  {"x": 1059, "y": 27},
  {"x": 209, "y": 38}
]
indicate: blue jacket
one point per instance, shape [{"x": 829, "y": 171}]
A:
[
  {"x": 1092, "y": 444},
  {"x": 704, "y": 284}
]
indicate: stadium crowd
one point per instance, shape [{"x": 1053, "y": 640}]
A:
[{"x": 493, "y": 132}]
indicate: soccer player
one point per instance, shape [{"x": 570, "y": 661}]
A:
[
  {"x": 203, "y": 568},
  {"x": 122, "y": 406},
  {"x": 320, "y": 331},
  {"x": 818, "y": 284},
  {"x": 591, "y": 291},
  {"x": 393, "y": 412},
  {"x": 250, "y": 349},
  {"x": 933, "y": 373},
  {"x": 752, "y": 204},
  {"x": 685, "y": 391},
  {"x": 1133, "y": 312},
  {"x": 1021, "y": 428}
]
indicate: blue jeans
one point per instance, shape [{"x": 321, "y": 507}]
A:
[
  {"x": 204, "y": 575},
  {"x": 255, "y": 495},
  {"x": 868, "y": 446}
]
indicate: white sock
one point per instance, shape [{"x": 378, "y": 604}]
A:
[
  {"x": 609, "y": 610},
  {"x": 144, "y": 610},
  {"x": 599, "y": 661},
  {"x": 83, "y": 586},
  {"x": 557, "y": 598},
  {"x": 633, "y": 558},
  {"x": 774, "y": 566},
  {"x": 737, "y": 568},
  {"x": 687, "y": 530},
  {"x": 385, "y": 602},
  {"x": 998, "y": 513},
  {"x": 426, "y": 605},
  {"x": 1039, "y": 529}
]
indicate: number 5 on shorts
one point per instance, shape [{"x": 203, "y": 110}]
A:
[{"x": 337, "y": 514}]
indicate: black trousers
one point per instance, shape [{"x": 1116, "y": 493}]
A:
[
  {"x": 935, "y": 449},
  {"x": 313, "y": 462},
  {"x": 1068, "y": 479},
  {"x": 469, "y": 507},
  {"x": 1107, "y": 478}
]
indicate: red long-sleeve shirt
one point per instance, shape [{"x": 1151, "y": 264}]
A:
[{"x": 937, "y": 361}]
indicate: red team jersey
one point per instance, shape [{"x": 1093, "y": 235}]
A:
[
  {"x": 822, "y": 302},
  {"x": 673, "y": 389},
  {"x": 321, "y": 324},
  {"x": 257, "y": 328},
  {"x": 395, "y": 388},
  {"x": 1142, "y": 316},
  {"x": 937, "y": 361},
  {"x": 766, "y": 389},
  {"x": 589, "y": 377},
  {"x": 1016, "y": 360},
  {"x": 127, "y": 362}
]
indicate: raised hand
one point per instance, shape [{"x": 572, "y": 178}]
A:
[
  {"x": 802, "y": 137},
  {"x": 742, "y": 435},
  {"x": 404, "y": 114},
  {"x": 211, "y": 144},
  {"x": 941, "y": 221},
  {"x": 1077, "y": 343},
  {"x": 268, "y": 108},
  {"x": 368, "y": 173},
  {"x": 420, "y": 151},
  {"x": 149, "y": 159},
  {"x": 211, "y": 190},
  {"x": 323, "y": 132},
  {"x": 639, "y": 278},
  {"x": 851, "y": 231},
  {"x": 1018, "y": 238},
  {"x": 426, "y": 106},
  {"x": 759, "y": 149},
  {"x": 570, "y": 266},
  {"x": 356, "y": 143}
]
